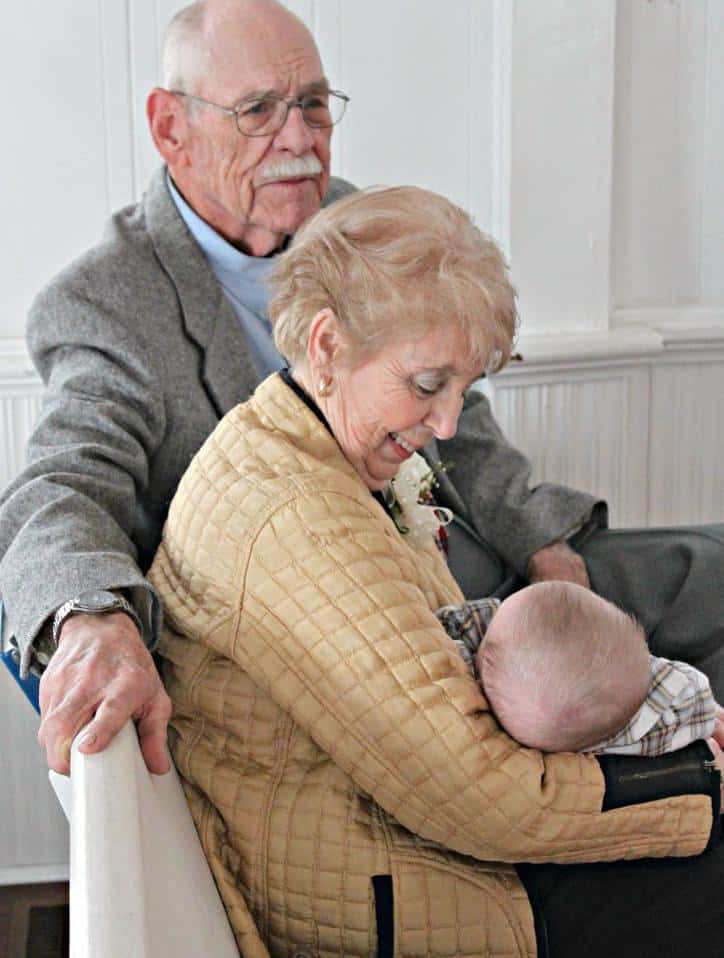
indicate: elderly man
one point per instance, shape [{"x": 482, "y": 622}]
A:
[
  {"x": 144, "y": 344},
  {"x": 149, "y": 338}
]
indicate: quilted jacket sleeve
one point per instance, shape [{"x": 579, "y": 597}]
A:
[{"x": 334, "y": 624}]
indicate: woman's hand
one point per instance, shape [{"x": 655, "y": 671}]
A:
[
  {"x": 719, "y": 759},
  {"x": 718, "y": 733}
]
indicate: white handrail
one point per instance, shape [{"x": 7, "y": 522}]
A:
[{"x": 139, "y": 882}]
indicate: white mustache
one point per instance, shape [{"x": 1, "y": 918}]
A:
[{"x": 307, "y": 165}]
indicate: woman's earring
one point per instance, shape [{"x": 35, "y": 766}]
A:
[{"x": 324, "y": 386}]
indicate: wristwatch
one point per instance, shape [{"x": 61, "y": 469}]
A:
[{"x": 95, "y": 602}]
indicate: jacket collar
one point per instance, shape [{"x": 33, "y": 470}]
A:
[
  {"x": 282, "y": 410},
  {"x": 209, "y": 321}
]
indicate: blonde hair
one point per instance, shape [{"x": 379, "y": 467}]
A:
[
  {"x": 393, "y": 263},
  {"x": 562, "y": 668}
]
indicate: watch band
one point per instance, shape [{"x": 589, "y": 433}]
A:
[{"x": 101, "y": 602}]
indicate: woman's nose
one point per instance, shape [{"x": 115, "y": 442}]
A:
[{"x": 444, "y": 414}]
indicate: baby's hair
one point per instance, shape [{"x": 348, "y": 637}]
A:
[{"x": 563, "y": 668}]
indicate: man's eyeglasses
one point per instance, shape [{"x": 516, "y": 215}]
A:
[{"x": 262, "y": 116}]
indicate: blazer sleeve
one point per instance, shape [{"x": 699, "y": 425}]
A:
[
  {"x": 489, "y": 483},
  {"x": 66, "y": 521},
  {"x": 332, "y": 625}
]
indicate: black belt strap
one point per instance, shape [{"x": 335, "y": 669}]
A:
[{"x": 384, "y": 913}]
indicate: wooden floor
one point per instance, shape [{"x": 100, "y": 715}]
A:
[{"x": 34, "y": 921}]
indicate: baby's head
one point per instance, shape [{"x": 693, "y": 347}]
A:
[{"x": 562, "y": 668}]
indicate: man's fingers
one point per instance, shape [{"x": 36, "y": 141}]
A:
[
  {"x": 152, "y": 728},
  {"x": 152, "y": 725},
  {"x": 57, "y": 755},
  {"x": 111, "y": 715},
  {"x": 59, "y": 726},
  {"x": 558, "y": 561}
]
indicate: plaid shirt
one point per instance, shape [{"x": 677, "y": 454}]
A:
[{"x": 679, "y": 707}]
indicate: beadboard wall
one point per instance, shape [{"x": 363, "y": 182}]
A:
[{"x": 634, "y": 417}]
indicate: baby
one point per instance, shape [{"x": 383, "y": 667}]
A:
[{"x": 565, "y": 670}]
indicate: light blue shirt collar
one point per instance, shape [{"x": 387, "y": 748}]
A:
[{"x": 243, "y": 280}]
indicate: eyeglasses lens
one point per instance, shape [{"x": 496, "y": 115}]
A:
[{"x": 267, "y": 115}]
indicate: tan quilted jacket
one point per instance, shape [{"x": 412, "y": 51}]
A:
[{"x": 328, "y": 730}]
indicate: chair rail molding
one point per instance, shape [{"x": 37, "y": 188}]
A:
[
  {"x": 631, "y": 413},
  {"x": 690, "y": 327}
]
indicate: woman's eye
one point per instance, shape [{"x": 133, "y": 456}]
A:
[{"x": 427, "y": 389}]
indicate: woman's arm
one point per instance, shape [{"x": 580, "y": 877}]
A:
[{"x": 335, "y": 626}]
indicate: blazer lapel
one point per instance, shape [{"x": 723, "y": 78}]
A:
[{"x": 227, "y": 371}]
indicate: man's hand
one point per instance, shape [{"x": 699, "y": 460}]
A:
[
  {"x": 101, "y": 675},
  {"x": 558, "y": 561}
]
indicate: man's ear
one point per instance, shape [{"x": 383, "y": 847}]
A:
[
  {"x": 324, "y": 344},
  {"x": 168, "y": 124}
]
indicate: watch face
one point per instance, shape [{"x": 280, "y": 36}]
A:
[{"x": 96, "y": 600}]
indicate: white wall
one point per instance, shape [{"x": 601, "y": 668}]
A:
[
  {"x": 560, "y": 191},
  {"x": 617, "y": 232},
  {"x": 668, "y": 197},
  {"x": 587, "y": 135}
]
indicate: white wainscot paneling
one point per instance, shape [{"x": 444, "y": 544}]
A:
[
  {"x": 585, "y": 428},
  {"x": 687, "y": 447},
  {"x": 20, "y": 398},
  {"x": 18, "y": 411},
  {"x": 33, "y": 832},
  {"x": 34, "y": 842}
]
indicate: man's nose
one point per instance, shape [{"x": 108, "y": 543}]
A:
[
  {"x": 444, "y": 414},
  {"x": 295, "y": 135}
]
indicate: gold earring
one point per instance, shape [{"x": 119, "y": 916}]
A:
[{"x": 324, "y": 386}]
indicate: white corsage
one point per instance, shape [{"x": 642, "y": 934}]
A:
[{"x": 410, "y": 500}]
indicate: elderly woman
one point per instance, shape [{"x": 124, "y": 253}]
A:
[{"x": 348, "y": 781}]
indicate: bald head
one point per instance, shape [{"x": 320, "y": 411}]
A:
[
  {"x": 206, "y": 37},
  {"x": 223, "y": 58},
  {"x": 563, "y": 668}
]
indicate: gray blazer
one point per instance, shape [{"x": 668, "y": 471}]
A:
[{"x": 141, "y": 355}]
